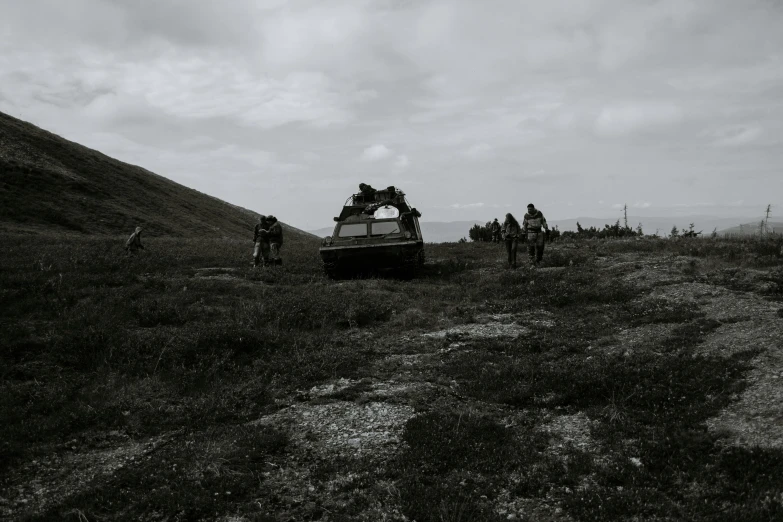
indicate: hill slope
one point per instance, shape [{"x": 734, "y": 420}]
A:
[{"x": 48, "y": 183}]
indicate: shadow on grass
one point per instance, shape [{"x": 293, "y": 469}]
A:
[{"x": 454, "y": 464}]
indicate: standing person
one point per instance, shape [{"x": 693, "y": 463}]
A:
[
  {"x": 261, "y": 241},
  {"x": 495, "y": 229},
  {"x": 134, "y": 242},
  {"x": 275, "y": 239},
  {"x": 511, "y": 231},
  {"x": 534, "y": 224}
]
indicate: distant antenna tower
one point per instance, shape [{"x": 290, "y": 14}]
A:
[
  {"x": 766, "y": 219},
  {"x": 625, "y": 215}
]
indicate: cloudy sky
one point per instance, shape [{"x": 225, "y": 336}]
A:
[{"x": 473, "y": 107}]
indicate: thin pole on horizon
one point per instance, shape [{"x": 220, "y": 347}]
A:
[
  {"x": 766, "y": 219},
  {"x": 625, "y": 214}
]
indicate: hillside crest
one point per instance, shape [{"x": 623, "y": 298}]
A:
[{"x": 49, "y": 184}]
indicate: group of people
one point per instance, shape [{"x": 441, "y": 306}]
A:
[
  {"x": 534, "y": 230},
  {"x": 267, "y": 238}
]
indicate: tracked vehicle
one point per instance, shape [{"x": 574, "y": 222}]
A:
[{"x": 376, "y": 230}]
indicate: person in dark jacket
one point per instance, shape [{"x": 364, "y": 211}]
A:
[
  {"x": 366, "y": 194},
  {"x": 535, "y": 226},
  {"x": 511, "y": 231},
  {"x": 134, "y": 242},
  {"x": 261, "y": 241},
  {"x": 275, "y": 234},
  {"x": 495, "y": 229}
]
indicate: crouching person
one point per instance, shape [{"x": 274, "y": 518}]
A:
[{"x": 134, "y": 242}]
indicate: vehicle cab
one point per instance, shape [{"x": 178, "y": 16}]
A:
[{"x": 378, "y": 230}]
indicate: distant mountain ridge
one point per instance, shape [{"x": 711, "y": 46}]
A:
[
  {"x": 752, "y": 228},
  {"x": 50, "y": 184},
  {"x": 450, "y": 231}
]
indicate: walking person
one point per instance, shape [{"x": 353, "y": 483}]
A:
[
  {"x": 495, "y": 229},
  {"x": 534, "y": 225},
  {"x": 275, "y": 235},
  {"x": 511, "y": 232},
  {"x": 261, "y": 241},
  {"x": 134, "y": 242}
]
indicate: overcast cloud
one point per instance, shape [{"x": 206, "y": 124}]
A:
[{"x": 473, "y": 108}]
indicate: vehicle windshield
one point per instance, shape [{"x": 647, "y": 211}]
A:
[
  {"x": 353, "y": 230},
  {"x": 382, "y": 228}
]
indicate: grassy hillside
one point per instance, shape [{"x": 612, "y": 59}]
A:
[
  {"x": 623, "y": 380},
  {"x": 50, "y": 184}
]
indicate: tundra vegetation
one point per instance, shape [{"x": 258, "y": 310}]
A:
[{"x": 635, "y": 379}]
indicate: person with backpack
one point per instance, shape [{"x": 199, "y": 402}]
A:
[
  {"x": 495, "y": 230},
  {"x": 534, "y": 225}
]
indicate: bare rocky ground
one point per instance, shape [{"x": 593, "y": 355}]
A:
[{"x": 345, "y": 434}]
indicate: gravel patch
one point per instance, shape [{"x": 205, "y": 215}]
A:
[
  {"x": 344, "y": 429},
  {"x": 643, "y": 338},
  {"x": 324, "y": 390},
  {"x": 651, "y": 276},
  {"x": 569, "y": 430},
  {"x": 756, "y": 418},
  {"x": 476, "y": 331}
]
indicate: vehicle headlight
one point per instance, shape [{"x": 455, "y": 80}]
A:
[
  {"x": 327, "y": 241},
  {"x": 408, "y": 234}
]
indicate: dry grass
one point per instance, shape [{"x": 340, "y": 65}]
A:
[{"x": 600, "y": 387}]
